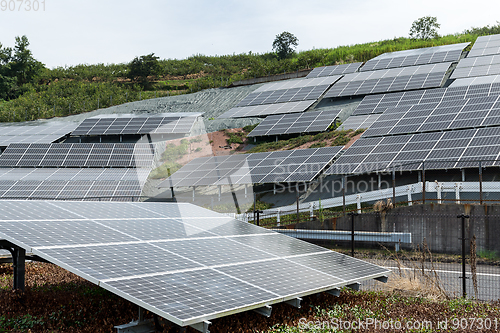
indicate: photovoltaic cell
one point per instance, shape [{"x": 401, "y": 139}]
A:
[
  {"x": 357, "y": 122},
  {"x": 274, "y": 167},
  {"x": 334, "y": 70},
  {"x": 485, "y": 45},
  {"x": 306, "y": 122},
  {"x": 192, "y": 271},
  {"x": 267, "y": 109},
  {"x": 284, "y": 96},
  {"x": 299, "y": 83}
]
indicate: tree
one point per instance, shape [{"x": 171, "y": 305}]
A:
[
  {"x": 425, "y": 28},
  {"x": 17, "y": 67},
  {"x": 142, "y": 67},
  {"x": 284, "y": 44}
]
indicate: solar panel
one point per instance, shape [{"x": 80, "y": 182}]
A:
[
  {"x": 230, "y": 266},
  {"x": 357, "y": 122},
  {"x": 71, "y": 183},
  {"x": 34, "y": 133},
  {"x": 430, "y": 55},
  {"x": 267, "y": 109},
  {"x": 439, "y": 150},
  {"x": 476, "y": 71},
  {"x": 485, "y": 45},
  {"x": 379, "y": 103},
  {"x": 306, "y": 122},
  {"x": 94, "y": 155},
  {"x": 299, "y": 83},
  {"x": 130, "y": 124},
  {"x": 485, "y": 81},
  {"x": 395, "y": 79},
  {"x": 334, "y": 70},
  {"x": 274, "y": 167},
  {"x": 283, "y": 96}
]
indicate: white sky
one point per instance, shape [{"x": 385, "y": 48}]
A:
[{"x": 75, "y": 32}]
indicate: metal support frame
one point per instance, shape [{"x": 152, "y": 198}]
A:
[
  {"x": 352, "y": 214},
  {"x": 464, "y": 271},
  {"x": 220, "y": 191},
  {"x": 423, "y": 183},
  {"x": 294, "y": 302},
  {"x": 393, "y": 186},
  {"x": 354, "y": 286},
  {"x": 194, "y": 191},
  {"x": 202, "y": 327},
  {"x": 18, "y": 262},
  {"x": 480, "y": 183},
  {"x": 382, "y": 279},
  {"x": 265, "y": 311},
  {"x": 335, "y": 292}
]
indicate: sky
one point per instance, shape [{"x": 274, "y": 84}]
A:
[{"x": 72, "y": 32}]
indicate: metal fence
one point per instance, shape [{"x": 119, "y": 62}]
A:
[{"x": 440, "y": 250}]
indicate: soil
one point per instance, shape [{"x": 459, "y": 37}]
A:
[{"x": 59, "y": 301}]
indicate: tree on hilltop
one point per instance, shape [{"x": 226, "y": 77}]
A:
[
  {"x": 284, "y": 44},
  {"x": 425, "y": 28},
  {"x": 142, "y": 67}
]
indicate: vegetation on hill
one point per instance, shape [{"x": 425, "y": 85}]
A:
[{"x": 29, "y": 91}]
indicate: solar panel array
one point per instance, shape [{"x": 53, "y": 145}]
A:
[
  {"x": 267, "y": 109},
  {"x": 118, "y": 125},
  {"x": 306, "y": 122},
  {"x": 299, "y": 83},
  {"x": 395, "y": 79},
  {"x": 357, "y": 122},
  {"x": 39, "y": 133},
  {"x": 477, "y": 66},
  {"x": 334, "y": 70},
  {"x": 430, "y": 55},
  {"x": 69, "y": 183},
  {"x": 179, "y": 261},
  {"x": 485, "y": 45},
  {"x": 283, "y": 96},
  {"x": 446, "y": 115},
  {"x": 439, "y": 150},
  {"x": 379, "y": 103},
  {"x": 275, "y": 167},
  {"x": 96, "y": 155}
]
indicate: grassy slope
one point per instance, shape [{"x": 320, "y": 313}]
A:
[{"x": 77, "y": 89}]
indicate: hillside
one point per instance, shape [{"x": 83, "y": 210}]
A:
[{"x": 82, "y": 88}]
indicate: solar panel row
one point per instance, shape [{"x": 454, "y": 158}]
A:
[
  {"x": 283, "y": 96},
  {"x": 306, "y": 122},
  {"x": 412, "y": 60},
  {"x": 274, "y": 167},
  {"x": 476, "y": 71},
  {"x": 484, "y": 81},
  {"x": 96, "y": 155},
  {"x": 379, "y": 103},
  {"x": 135, "y": 125},
  {"x": 485, "y": 45},
  {"x": 267, "y": 109},
  {"x": 334, "y": 70},
  {"x": 179, "y": 261},
  {"x": 354, "y": 88},
  {"x": 446, "y": 115},
  {"x": 439, "y": 150},
  {"x": 39, "y": 133}
]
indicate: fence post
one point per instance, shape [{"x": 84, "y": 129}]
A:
[
  {"x": 464, "y": 277},
  {"x": 358, "y": 203},
  {"x": 438, "y": 190},
  {"x": 278, "y": 222},
  {"x": 352, "y": 214},
  {"x": 298, "y": 216},
  {"x": 423, "y": 183},
  {"x": 311, "y": 210},
  {"x": 457, "y": 193},
  {"x": 408, "y": 188},
  {"x": 344, "y": 179},
  {"x": 480, "y": 184},
  {"x": 393, "y": 186}
]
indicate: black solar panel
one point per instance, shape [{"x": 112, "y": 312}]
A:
[
  {"x": 380, "y": 103},
  {"x": 274, "y": 167},
  {"x": 306, "y": 122},
  {"x": 334, "y": 70},
  {"x": 157, "y": 124},
  {"x": 96, "y": 155},
  {"x": 267, "y": 109}
]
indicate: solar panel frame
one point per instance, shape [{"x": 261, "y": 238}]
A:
[
  {"x": 284, "y": 96},
  {"x": 334, "y": 70},
  {"x": 267, "y": 109}
]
